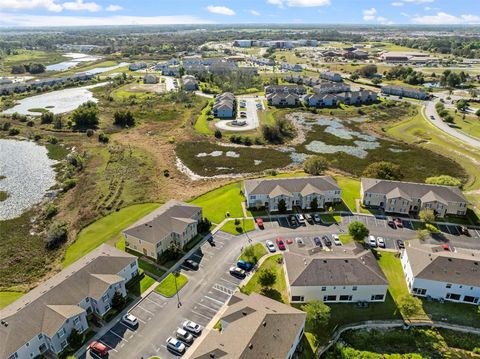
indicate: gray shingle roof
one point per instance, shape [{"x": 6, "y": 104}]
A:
[
  {"x": 291, "y": 185},
  {"x": 173, "y": 216},
  {"x": 45, "y": 308},
  {"x": 258, "y": 327},
  {"x": 414, "y": 190}
]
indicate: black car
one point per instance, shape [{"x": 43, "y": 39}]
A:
[
  {"x": 392, "y": 224},
  {"x": 400, "y": 244},
  {"x": 189, "y": 263},
  {"x": 293, "y": 220},
  {"x": 318, "y": 242},
  {"x": 328, "y": 241},
  {"x": 463, "y": 230}
]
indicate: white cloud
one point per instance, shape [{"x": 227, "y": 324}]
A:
[
  {"x": 221, "y": 10},
  {"x": 9, "y": 19},
  {"x": 404, "y": 14},
  {"x": 49, "y": 5},
  {"x": 419, "y": 1},
  {"x": 114, "y": 8},
  {"x": 442, "y": 18},
  {"x": 79, "y": 5},
  {"x": 397, "y": 3},
  {"x": 254, "y": 12},
  {"x": 369, "y": 14},
  {"x": 299, "y": 3}
]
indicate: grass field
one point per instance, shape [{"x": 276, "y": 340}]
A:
[
  {"x": 470, "y": 125},
  {"x": 350, "y": 190},
  {"x": 167, "y": 286},
  {"x": 150, "y": 268},
  {"x": 105, "y": 229},
  {"x": 201, "y": 125},
  {"x": 8, "y": 297},
  {"x": 345, "y": 238},
  {"x": 246, "y": 225},
  {"x": 218, "y": 202},
  {"x": 279, "y": 290},
  {"x": 259, "y": 251}
]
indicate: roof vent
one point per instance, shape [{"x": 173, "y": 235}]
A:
[
  {"x": 346, "y": 260},
  {"x": 449, "y": 259},
  {"x": 212, "y": 355},
  {"x": 324, "y": 261},
  {"x": 476, "y": 263},
  {"x": 250, "y": 346},
  {"x": 264, "y": 323},
  {"x": 244, "y": 312}
]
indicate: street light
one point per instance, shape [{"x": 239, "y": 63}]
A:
[{"x": 175, "y": 275}]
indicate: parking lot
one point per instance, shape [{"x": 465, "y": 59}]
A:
[{"x": 206, "y": 291}]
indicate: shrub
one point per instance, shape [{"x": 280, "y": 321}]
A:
[
  {"x": 57, "y": 234},
  {"x": 90, "y": 132},
  {"x": 444, "y": 180},
  {"x": 315, "y": 165},
  {"x": 103, "y": 138},
  {"x": 30, "y": 123},
  {"x": 46, "y": 117},
  {"x": 383, "y": 170},
  {"x": 358, "y": 230},
  {"x": 13, "y": 131},
  {"x": 69, "y": 184},
  {"x": 218, "y": 133},
  {"x": 51, "y": 210},
  {"x": 123, "y": 119}
]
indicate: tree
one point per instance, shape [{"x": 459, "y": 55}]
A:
[
  {"x": 383, "y": 170},
  {"x": 57, "y": 234},
  {"x": 18, "y": 69},
  {"x": 123, "y": 119},
  {"x": 249, "y": 254},
  {"x": 267, "y": 278},
  {"x": 282, "y": 206},
  {"x": 444, "y": 180},
  {"x": 36, "y": 68},
  {"x": 75, "y": 339},
  {"x": 478, "y": 113},
  {"x": 427, "y": 215},
  {"x": 46, "y": 117},
  {"x": 118, "y": 301},
  {"x": 218, "y": 133},
  {"x": 422, "y": 234},
  {"x": 354, "y": 77},
  {"x": 318, "y": 315},
  {"x": 173, "y": 251},
  {"x": 314, "y": 204},
  {"x": 86, "y": 116},
  {"x": 462, "y": 105},
  {"x": 358, "y": 230},
  {"x": 315, "y": 165},
  {"x": 409, "y": 305}
]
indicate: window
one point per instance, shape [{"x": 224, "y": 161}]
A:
[
  {"x": 470, "y": 299},
  {"x": 64, "y": 344},
  {"x": 107, "y": 307},
  {"x": 345, "y": 298},
  {"x": 105, "y": 298},
  {"x": 132, "y": 264},
  {"x": 13, "y": 356},
  {"x": 76, "y": 320},
  {"x": 61, "y": 333},
  {"x": 377, "y": 297},
  {"x": 419, "y": 291},
  {"x": 449, "y": 285},
  {"x": 298, "y": 298},
  {"x": 324, "y": 289},
  {"x": 40, "y": 336},
  {"x": 453, "y": 296},
  {"x": 354, "y": 287},
  {"x": 329, "y": 298}
]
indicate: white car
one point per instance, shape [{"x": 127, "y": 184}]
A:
[
  {"x": 381, "y": 242},
  {"x": 336, "y": 240},
  {"x": 192, "y": 327},
  {"x": 300, "y": 218},
  {"x": 270, "y": 246},
  {"x": 130, "y": 320},
  {"x": 372, "y": 242},
  {"x": 184, "y": 336},
  {"x": 175, "y": 345},
  {"x": 237, "y": 272}
]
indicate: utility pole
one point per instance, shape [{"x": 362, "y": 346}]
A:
[{"x": 175, "y": 275}]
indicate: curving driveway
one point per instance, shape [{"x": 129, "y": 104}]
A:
[
  {"x": 251, "y": 119},
  {"x": 437, "y": 122}
]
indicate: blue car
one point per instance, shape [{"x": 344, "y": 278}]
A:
[{"x": 244, "y": 265}]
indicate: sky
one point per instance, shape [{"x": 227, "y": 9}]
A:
[{"x": 150, "y": 12}]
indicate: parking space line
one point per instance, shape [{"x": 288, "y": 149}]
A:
[
  {"x": 152, "y": 301},
  {"x": 126, "y": 326},
  {"x": 215, "y": 300},
  {"x": 142, "y": 308},
  {"x": 94, "y": 355},
  {"x": 118, "y": 336},
  {"x": 235, "y": 284},
  {"x": 201, "y": 315},
  {"x": 478, "y": 234},
  {"x": 205, "y": 306},
  {"x": 115, "y": 350}
]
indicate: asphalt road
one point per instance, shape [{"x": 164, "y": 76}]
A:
[
  {"x": 252, "y": 121},
  {"x": 212, "y": 285}
]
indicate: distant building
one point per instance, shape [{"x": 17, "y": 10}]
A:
[
  {"x": 404, "y": 91},
  {"x": 283, "y": 99},
  {"x": 224, "y": 105},
  {"x": 292, "y": 89},
  {"x": 355, "y": 55},
  {"x": 331, "y": 87},
  {"x": 189, "y": 83},
  {"x": 442, "y": 272},
  {"x": 321, "y": 100},
  {"x": 137, "y": 66},
  {"x": 331, "y": 76},
  {"x": 150, "y": 79},
  {"x": 254, "y": 326}
]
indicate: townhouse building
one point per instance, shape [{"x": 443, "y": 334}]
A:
[
  {"x": 224, "y": 105},
  {"x": 404, "y": 91},
  {"x": 331, "y": 76},
  {"x": 283, "y": 99}
]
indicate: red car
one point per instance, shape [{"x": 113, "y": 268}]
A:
[
  {"x": 280, "y": 244},
  {"x": 98, "y": 348},
  {"x": 259, "y": 222},
  {"x": 398, "y": 222}
]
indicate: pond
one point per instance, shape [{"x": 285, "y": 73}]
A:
[
  {"x": 26, "y": 174},
  {"x": 100, "y": 70},
  {"x": 60, "y": 101},
  {"x": 76, "y": 58}
]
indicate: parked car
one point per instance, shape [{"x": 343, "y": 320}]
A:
[
  {"x": 237, "y": 272},
  {"x": 318, "y": 242},
  {"x": 190, "y": 263},
  {"x": 381, "y": 242},
  {"x": 243, "y": 115},
  {"x": 184, "y": 336},
  {"x": 336, "y": 240},
  {"x": 270, "y": 246},
  {"x": 130, "y": 320},
  {"x": 327, "y": 241},
  {"x": 299, "y": 241},
  {"x": 280, "y": 244},
  {"x": 463, "y": 230},
  {"x": 392, "y": 224},
  {"x": 98, "y": 348},
  {"x": 309, "y": 218},
  {"x": 259, "y": 222},
  {"x": 175, "y": 345},
  {"x": 432, "y": 117},
  {"x": 301, "y": 218},
  {"x": 398, "y": 222},
  {"x": 293, "y": 220},
  {"x": 244, "y": 265},
  {"x": 192, "y": 327},
  {"x": 372, "y": 242},
  {"x": 400, "y": 244},
  {"x": 316, "y": 218}
]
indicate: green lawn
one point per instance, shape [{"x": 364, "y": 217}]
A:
[
  {"x": 218, "y": 202},
  {"x": 259, "y": 251},
  {"x": 167, "y": 286},
  {"x": 329, "y": 218},
  {"x": 345, "y": 238},
  {"x": 150, "y": 268},
  {"x": 8, "y": 297},
  {"x": 140, "y": 284},
  {"x": 105, "y": 229},
  {"x": 201, "y": 125},
  {"x": 350, "y": 190},
  {"x": 279, "y": 290},
  {"x": 246, "y": 225}
]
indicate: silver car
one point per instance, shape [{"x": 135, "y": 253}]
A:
[
  {"x": 175, "y": 345},
  {"x": 192, "y": 327}
]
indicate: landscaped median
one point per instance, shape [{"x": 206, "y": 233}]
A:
[
  {"x": 238, "y": 226},
  {"x": 167, "y": 287},
  {"x": 8, "y": 297}
]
